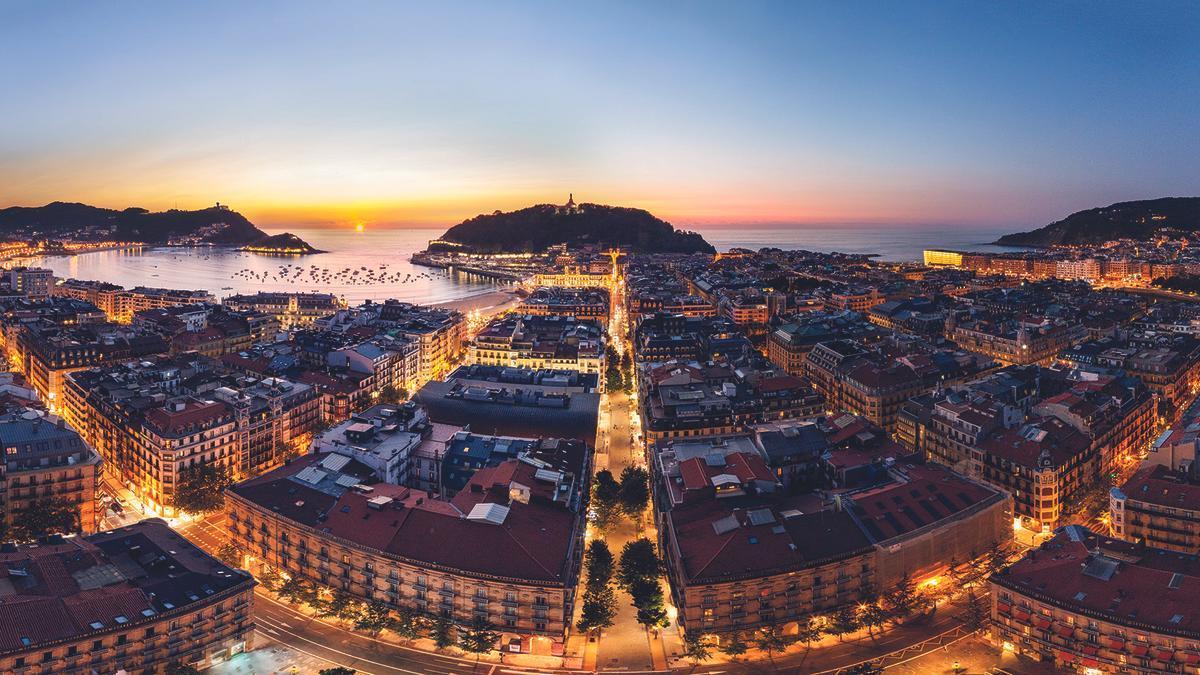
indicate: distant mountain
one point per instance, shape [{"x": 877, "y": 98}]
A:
[
  {"x": 536, "y": 228},
  {"x": 1140, "y": 220},
  {"x": 214, "y": 225}
]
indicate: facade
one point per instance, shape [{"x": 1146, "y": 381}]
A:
[
  {"x": 582, "y": 303},
  {"x": 43, "y": 459},
  {"x": 49, "y": 353},
  {"x": 937, "y": 258},
  {"x": 540, "y": 342},
  {"x": 1018, "y": 342},
  {"x": 116, "y": 612},
  {"x": 292, "y": 310},
  {"x": 574, "y": 276},
  {"x": 440, "y": 334},
  {"x": 508, "y": 549},
  {"x": 751, "y": 558},
  {"x": 32, "y": 282},
  {"x": 151, "y": 420},
  {"x": 1159, "y": 507},
  {"x": 1086, "y": 603},
  {"x": 119, "y": 304}
]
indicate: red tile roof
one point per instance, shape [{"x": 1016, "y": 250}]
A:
[{"x": 1145, "y": 586}]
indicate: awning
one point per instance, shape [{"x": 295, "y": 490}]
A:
[
  {"x": 1113, "y": 642},
  {"x": 1020, "y": 613},
  {"x": 1138, "y": 649},
  {"x": 1188, "y": 657},
  {"x": 1090, "y": 650},
  {"x": 1064, "y": 630},
  {"x": 1065, "y": 657},
  {"x": 1041, "y": 622},
  {"x": 1003, "y": 607},
  {"x": 1090, "y": 663},
  {"x": 1164, "y": 654}
]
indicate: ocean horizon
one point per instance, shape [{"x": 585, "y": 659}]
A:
[{"x": 351, "y": 256}]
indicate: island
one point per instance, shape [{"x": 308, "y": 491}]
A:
[
  {"x": 215, "y": 225},
  {"x": 536, "y": 228},
  {"x": 281, "y": 244},
  {"x": 1141, "y": 220}
]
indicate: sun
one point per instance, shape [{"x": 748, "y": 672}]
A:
[{"x": 359, "y": 227}]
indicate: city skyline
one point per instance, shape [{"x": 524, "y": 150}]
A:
[{"x": 774, "y": 115}]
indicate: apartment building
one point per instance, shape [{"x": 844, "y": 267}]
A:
[
  {"x": 151, "y": 420},
  {"x": 51, "y": 352},
  {"x": 581, "y": 303},
  {"x": 746, "y": 558},
  {"x": 1016, "y": 342},
  {"x": 508, "y": 549},
  {"x": 32, "y": 282},
  {"x": 135, "y": 600},
  {"x": 43, "y": 459},
  {"x": 1159, "y": 507},
  {"x": 540, "y": 342},
  {"x": 1087, "y": 603},
  {"x": 292, "y": 310}
]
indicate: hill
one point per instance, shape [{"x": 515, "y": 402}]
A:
[
  {"x": 214, "y": 225},
  {"x": 536, "y": 228},
  {"x": 285, "y": 242},
  {"x": 1140, "y": 220}
]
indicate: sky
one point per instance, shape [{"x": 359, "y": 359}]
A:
[{"x": 705, "y": 113}]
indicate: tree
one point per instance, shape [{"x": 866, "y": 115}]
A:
[
  {"x": 43, "y": 517},
  {"x": 902, "y": 598},
  {"x": 996, "y": 559},
  {"x": 270, "y": 579},
  {"x": 442, "y": 632},
  {"x": 868, "y": 668},
  {"x": 338, "y": 670},
  {"x": 843, "y": 622},
  {"x": 613, "y": 379},
  {"x": 599, "y": 565},
  {"x": 771, "y": 641},
  {"x": 201, "y": 488},
  {"x": 696, "y": 648},
  {"x": 599, "y": 609},
  {"x": 735, "y": 646},
  {"x": 479, "y": 638},
  {"x": 606, "y": 498},
  {"x": 374, "y": 617},
  {"x": 809, "y": 632},
  {"x": 392, "y": 394},
  {"x": 871, "y": 615},
  {"x": 230, "y": 554},
  {"x": 178, "y": 668},
  {"x": 638, "y": 561},
  {"x": 635, "y": 490},
  {"x": 974, "y": 613},
  {"x": 648, "y": 599},
  {"x": 298, "y": 591},
  {"x": 408, "y": 624},
  {"x": 341, "y": 605}
]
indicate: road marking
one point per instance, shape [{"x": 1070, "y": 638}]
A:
[{"x": 338, "y": 651}]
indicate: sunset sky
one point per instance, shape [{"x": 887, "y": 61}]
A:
[{"x": 328, "y": 113}]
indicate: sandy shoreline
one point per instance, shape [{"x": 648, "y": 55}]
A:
[{"x": 491, "y": 301}]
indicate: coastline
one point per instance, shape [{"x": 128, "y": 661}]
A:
[{"x": 493, "y": 301}]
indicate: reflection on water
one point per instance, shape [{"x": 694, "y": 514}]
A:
[
  {"x": 385, "y": 252},
  {"x": 225, "y": 272},
  {"x": 894, "y": 243}
]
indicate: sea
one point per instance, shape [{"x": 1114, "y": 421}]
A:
[{"x": 374, "y": 265}]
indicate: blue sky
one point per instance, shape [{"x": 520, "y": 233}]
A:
[{"x": 888, "y": 112}]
